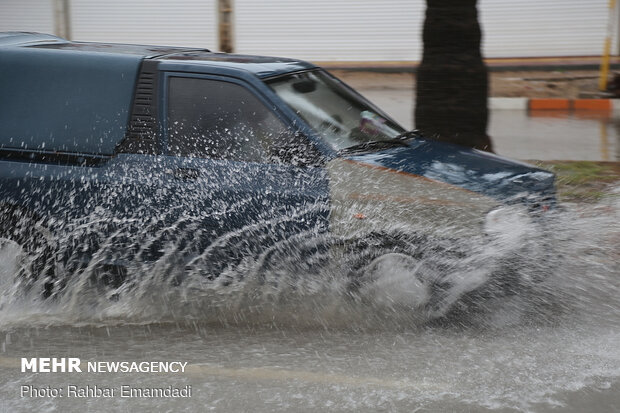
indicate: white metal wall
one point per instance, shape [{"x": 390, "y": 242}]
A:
[
  {"x": 166, "y": 22},
  {"x": 324, "y": 30},
  {"x": 543, "y": 27},
  {"x": 367, "y": 30},
  {"x": 27, "y": 15},
  {"x": 330, "y": 29}
]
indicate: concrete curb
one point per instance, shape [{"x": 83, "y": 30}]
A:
[
  {"x": 508, "y": 103},
  {"x": 599, "y": 105}
]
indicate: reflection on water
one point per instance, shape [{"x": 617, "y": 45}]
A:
[
  {"x": 556, "y": 135},
  {"x": 305, "y": 344},
  {"x": 544, "y": 135},
  {"x": 616, "y": 156}
]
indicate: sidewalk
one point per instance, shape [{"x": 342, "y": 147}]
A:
[
  {"x": 536, "y": 89},
  {"x": 495, "y": 65},
  {"x": 568, "y": 84}
]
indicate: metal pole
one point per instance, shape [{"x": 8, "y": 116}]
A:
[
  {"x": 62, "y": 19},
  {"x": 225, "y": 23},
  {"x": 602, "y": 81}
]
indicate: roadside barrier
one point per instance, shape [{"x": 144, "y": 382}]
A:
[{"x": 602, "y": 106}]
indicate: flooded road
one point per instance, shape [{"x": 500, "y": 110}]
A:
[
  {"x": 543, "y": 135},
  {"x": 308, "y": 346},
  {"x": 549, "y": 346}
]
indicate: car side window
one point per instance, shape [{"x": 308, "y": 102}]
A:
[{"x": 221, "y": 120}]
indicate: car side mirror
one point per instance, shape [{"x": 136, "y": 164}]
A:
[{"x": 305, "y": 86}]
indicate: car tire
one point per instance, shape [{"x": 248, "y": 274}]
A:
[
  {"x": 416, "y": 255},
  {"x": 396, "y": 279},
  {"x": 27, "y": 246}
]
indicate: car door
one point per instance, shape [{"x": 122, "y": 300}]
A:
[{"x": 241, "y": 181}]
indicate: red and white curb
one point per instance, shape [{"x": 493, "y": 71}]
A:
[{"x": 537, "y": 104}]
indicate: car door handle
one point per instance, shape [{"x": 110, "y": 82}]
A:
[{"x": 186, "y": 173}]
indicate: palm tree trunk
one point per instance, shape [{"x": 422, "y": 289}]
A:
[{"x": 452, "y": 82}]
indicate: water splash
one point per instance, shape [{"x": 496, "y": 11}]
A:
[{"x": 409, "y": 283}]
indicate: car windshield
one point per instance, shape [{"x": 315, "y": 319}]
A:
[{"x": 336, "y": 112}]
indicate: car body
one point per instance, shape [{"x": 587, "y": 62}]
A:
[{"x": 117, "y": 154}]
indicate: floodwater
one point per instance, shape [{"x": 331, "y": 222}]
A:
[
  {"x": 308, "y": 346},
  {"x": 542, "y": 135},
  {"x": 305, "y": 344}
]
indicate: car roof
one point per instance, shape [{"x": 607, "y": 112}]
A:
[
  {"x": 261, "y": 66},
  {"x": 27, "y": 38}
]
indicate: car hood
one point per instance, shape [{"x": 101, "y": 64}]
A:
[{"x": 500, "y": 178}]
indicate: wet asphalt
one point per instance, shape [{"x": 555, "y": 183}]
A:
[{"x": 544, "y": 135}]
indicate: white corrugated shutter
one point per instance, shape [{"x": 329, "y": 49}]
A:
[
  {"x": 324, "y": 30},
  {"x": 528, "y": 28},
  {"x": 331, "y": 30},
  {"x": 372, "y": 30},
  {"x": 164, "y": 22},
  {"x": 27, "y": 15}
]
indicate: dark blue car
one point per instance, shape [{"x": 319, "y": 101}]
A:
[{"x": 114, "y": 155}]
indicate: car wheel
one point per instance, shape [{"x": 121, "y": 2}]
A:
[
  {"x": 396, "y": 279},
  {"x": 397, "y": 268},
  {"x": 26, "y": 250}
]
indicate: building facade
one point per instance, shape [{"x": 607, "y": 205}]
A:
[{"x": 320, "y": 30}]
